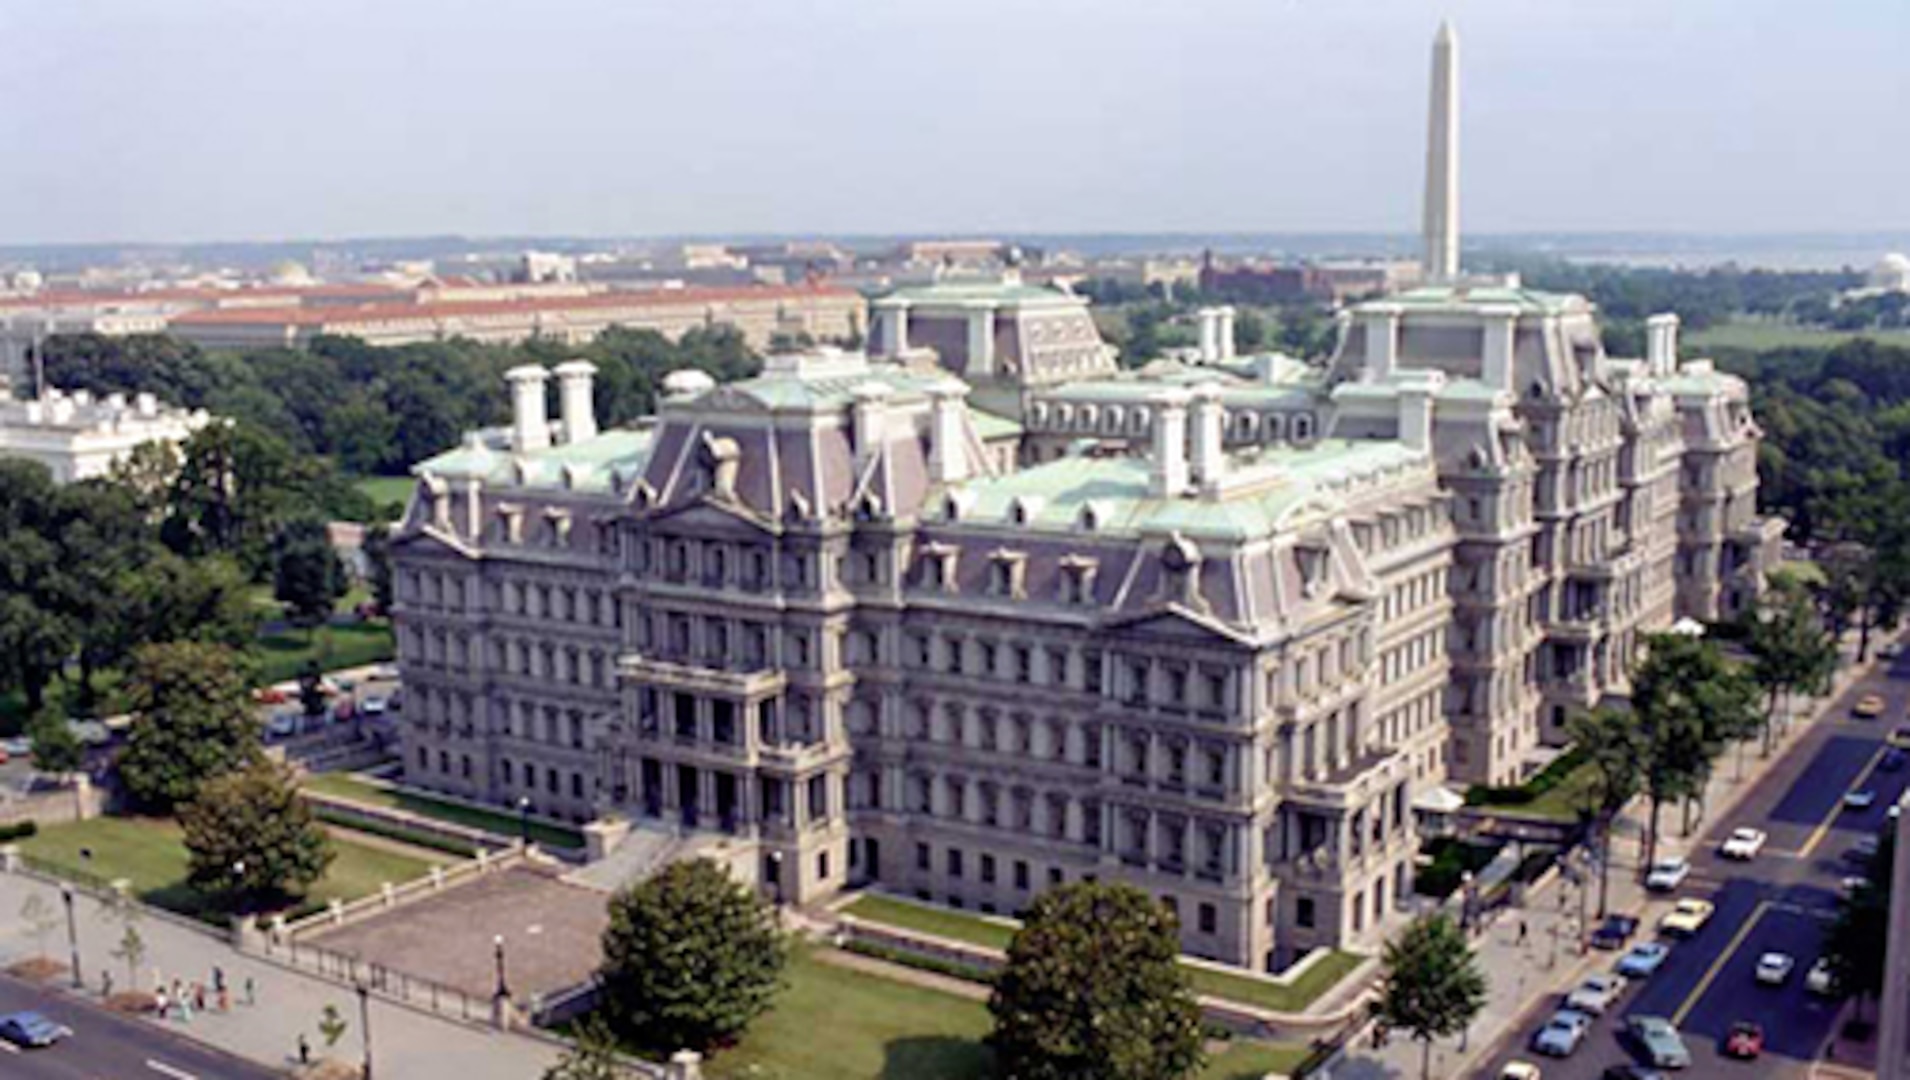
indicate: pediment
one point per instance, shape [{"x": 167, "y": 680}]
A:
[
  {"x": 430, "y": 540},
  {"x": 721, "y": 515},
  {"x": 1175, "y": 621}
]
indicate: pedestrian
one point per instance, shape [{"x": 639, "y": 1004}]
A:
[
  {"x": 304, "y": 1051},
  {"x": 161, "y": 1003},
  {"x": 105, "y": 984},
  {"x": 251, "y": 997},
  {"x": 199, "y": 996},
  {"x": 225, "y": 1000},
  {"x": 1523, "y": 931},
  {"x": 218, "y": 977}
]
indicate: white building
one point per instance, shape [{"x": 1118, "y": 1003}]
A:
[{"x": 78, "y": 436}]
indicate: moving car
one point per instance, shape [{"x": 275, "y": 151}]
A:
[
  {"x": 1687, "y": 918},
  {"x": 1519, "y": 1070},
  {"x": 1892, "y": 760},
  {"x": 1668, "y": 874},
  {"x": 1743, "y": 844},
  {"x": 1821, "y": 980},
  {"x": 1643, "y": 959},
  {"x": 1660, "y": 1042},
  {"x": 1745, "y": 1040},
  {"x": 1614, "y": 932},
  {"x": 1774, "y": 968},
  {"x": 1562, "y": 1034},
  {"x": 1595, "y": 994},
  {"x": 31, "y": 1029},
  {"x": 1860, "y": 800},
  {"x": 1868, "y": 707},
  {"x": 1899, "y": 737},
  {"x": 1861, "y": 852}
]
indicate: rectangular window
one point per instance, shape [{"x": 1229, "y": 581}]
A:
[
  {"x": 1303, "y": 912},
  {"x": 1209, "y": 919},
  {"x": 988, "y": 869},
  {"x": 822, "y": 866},
  {"x": 921, "y": 857},
  {"x": 955, "y": 862},
  {"x": 1021, "y": 874}
]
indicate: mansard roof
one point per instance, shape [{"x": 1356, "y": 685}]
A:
[{"x": 597, "y": 464}]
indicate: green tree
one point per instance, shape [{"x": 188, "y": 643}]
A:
[
  {"x": 1093, "y": 988},
  {"x": 1433, "y": 986},
  {"x": 1790, "y": 652},
  {"x": 1853, "y": 941},
  {"x": 378, "y": 566},
  {"x": 593, "y": 1056},
  {"x": 307, "y": 577},
  {"x": 690, "y": 958},
  {"x": 37, "y": 632},
  {"x": 1614, "y": 751},
  {"x": 311, "y": 689},
  {"x": 56, "y": 749},
  {"x": 331, "y": 1026},
  {"x": 251, "y": 841},
  {"x": 1689, "y": 702},
  {"x": 194, "y": 721},
  {"x": 131, "y": 950}
]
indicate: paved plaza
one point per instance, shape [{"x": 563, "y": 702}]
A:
[{"x": 551, "y": 932}]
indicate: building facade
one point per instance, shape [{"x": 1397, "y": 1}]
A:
[{"x": 79, "y": 436}]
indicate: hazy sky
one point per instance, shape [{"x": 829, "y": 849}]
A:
[{"x": 258, "y": 119}]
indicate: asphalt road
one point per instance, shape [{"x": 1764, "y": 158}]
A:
[
  {"x": 107, "y": 1046},
  {"x": 1779, "y": 902}
]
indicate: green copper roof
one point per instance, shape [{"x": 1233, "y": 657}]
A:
[
  {"x": 832, "y": 387},
  {"x": 1279, "y": 485},
  {"x": 1466, "y": 297},
  {"x": 989, "y": 426},
  {"x": 584, "y": 466}
]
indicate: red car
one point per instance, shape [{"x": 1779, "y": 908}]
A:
[{"x": 1745, "y": 1041}]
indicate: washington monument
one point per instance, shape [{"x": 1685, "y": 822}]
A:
[{"x": 1442, "y": 160}]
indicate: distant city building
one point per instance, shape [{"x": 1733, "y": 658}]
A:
[
  {"x": 1263, "y": 283},
  {"x": 78, "y": 436},
  {"x": 544, "y": 266},
  {"x": 1890, "y": 275},
  {"x": 981, "y": 614},
  {"x": 759, "y": 312}
]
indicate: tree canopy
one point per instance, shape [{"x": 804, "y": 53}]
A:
[
  {"x": 690, "y": 958},
  {"x": 251, "y": 840},
  {"x": 1433, "y": 986},
  {"x": 1093, "y": 990},
  {"x": 193, "y": 721},
  {"x": 307, "y": 577}
]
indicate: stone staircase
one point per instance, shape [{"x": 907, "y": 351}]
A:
[{"x": 642, "y": 852}]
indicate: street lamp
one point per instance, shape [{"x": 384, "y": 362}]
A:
[
  {"x": 524, "y": 819},
  {"x": 503, "y": 988},
  {"x": 776, "y": 880},
  {"x": 364, "y": 1023},
  {"x": 238, "y": 883},
  {"x": 72, "y": 931},
  {"x": 1465, "y": 901}
]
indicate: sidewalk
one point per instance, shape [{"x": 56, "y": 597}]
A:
[
  {"x": 1524, "y": 976},
  {"x": 406, "y": 1044}
]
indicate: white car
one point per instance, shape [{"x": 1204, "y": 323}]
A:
[
  {"x": 1860, "y": 800},
  {"x": 375, "y": 705},
  {"x": 1743, "y": 844},
  {"x": 1668, "y": 874},
  {"x": 1596, "y": 994},
  {"x": 1820, "y": 980},
  {"x": 1562, "y": 1034},
  {"x": 1774, "y": 968}
]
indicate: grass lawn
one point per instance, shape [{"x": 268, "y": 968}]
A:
[
  {"x": 282, "y": 656},
  {"x": 346, "y": 786},
  {"x": 836, "y": 1024},
  {"x": 385, "y": 490},
  {"x": 1563, "y": 802},
  {"x": 1321, "y": 977},
  {"x": 151, "y": 853},
  {"x": 1776, "y": 334}
]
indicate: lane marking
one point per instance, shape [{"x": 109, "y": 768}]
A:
[
  {"x": 1823, "y": 828},
  {"x": 1711, "y": 974},
  {"x": 164, "y": 1069}
]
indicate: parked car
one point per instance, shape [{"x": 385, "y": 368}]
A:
[
  {"x": 1862, "y": 799},
  {"x": 90, "y": 732},
  {"x": 31, "y": 1029},
  {"x": 1687, "y": 917},
  {"x": 1667, "y": 874},
  {"x": 1861, "y": 852},
  {"x": 1658, "y": 1039},
  {"x": 374, "y": 705},
  {"x": 1519, "y": 1070},
  {"x": 17, "y": 746},
  {"x": 1743, "y": 844},
  {"x": 1562, "y": 1034},
  {"x": 1595, "y": 994},
  {"x": 1643, "y": 959},
  {"x": 1868, "y": 707},
  {"x": 1614, "y": 932},
  {"x": 1821, "y": 980},
  {"x": 1744, "y": 1041},
  {"x": 1899, "y": 737},
  {"x": 1774, "y": 968},
  {"x": 1892, "y": 760},
  {"x": 282, "y": 725}
]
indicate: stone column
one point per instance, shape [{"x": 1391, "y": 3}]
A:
[
  {"x": 1497, "y": 354},
  {"x": 894, "y": 316},
  {"x": 1382, "y": 340}
]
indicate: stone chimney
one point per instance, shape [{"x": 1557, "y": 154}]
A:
[
  {"x": 1170, "y": 445},
  {"x": 894, "y": 319},
  {"x": 1209, "y": 419},
  {"x": 871, "y": 422},
  {"x": 947, "y": 452},
  {"x": 1209, "y": 334},
  {"x": 1224, "y": 332},
  {"x": 1416, "y": 413},
  {"x": 1382, "y": 340},
  {"x": 575, "y": 398},
  {"x": 1496, "y": 354},
  {"x": 1661, "y": 344},
  {"x": 530, "y": 413}
]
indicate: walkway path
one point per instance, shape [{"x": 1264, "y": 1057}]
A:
[
  {"x": 407, "y": 1044},
  {"x": 1531, "y": 954}
]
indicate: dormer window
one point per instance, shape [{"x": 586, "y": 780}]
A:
[
  {"x": 937, "y": 567},
  {"x": 510, "y": 524},
  {"x": 1077, "y": 580},
  {"x": 557, "y": 527},
  {"x": 1312, "y": 562},
  {"x": 1006, "y": 572}
]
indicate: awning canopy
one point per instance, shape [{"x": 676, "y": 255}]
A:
[
  {"x": 1438, "y": 800},
  {"x": 1688, "y": 627}
]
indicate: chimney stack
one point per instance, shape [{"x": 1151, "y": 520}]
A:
[
  {"x": 575, "y": 397},
  {"x": 1225, "y": 332},
  {"x": 1661, "y": 344},
  {"x": 1416, "y": 410},
  {"x": 1382, "y": 340},
  {"x": 1209, "y": 334},
  {"x": 894, "y": 315},
  {"x": 871, "y": 422},
  {"x": 1209, "y": 418},
  {"x": 530, "y": 413},
  {"x": 1170, "y": 445},
  {"x": 947, "y": 455},
  {"x": 1501, "y": 323}
]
